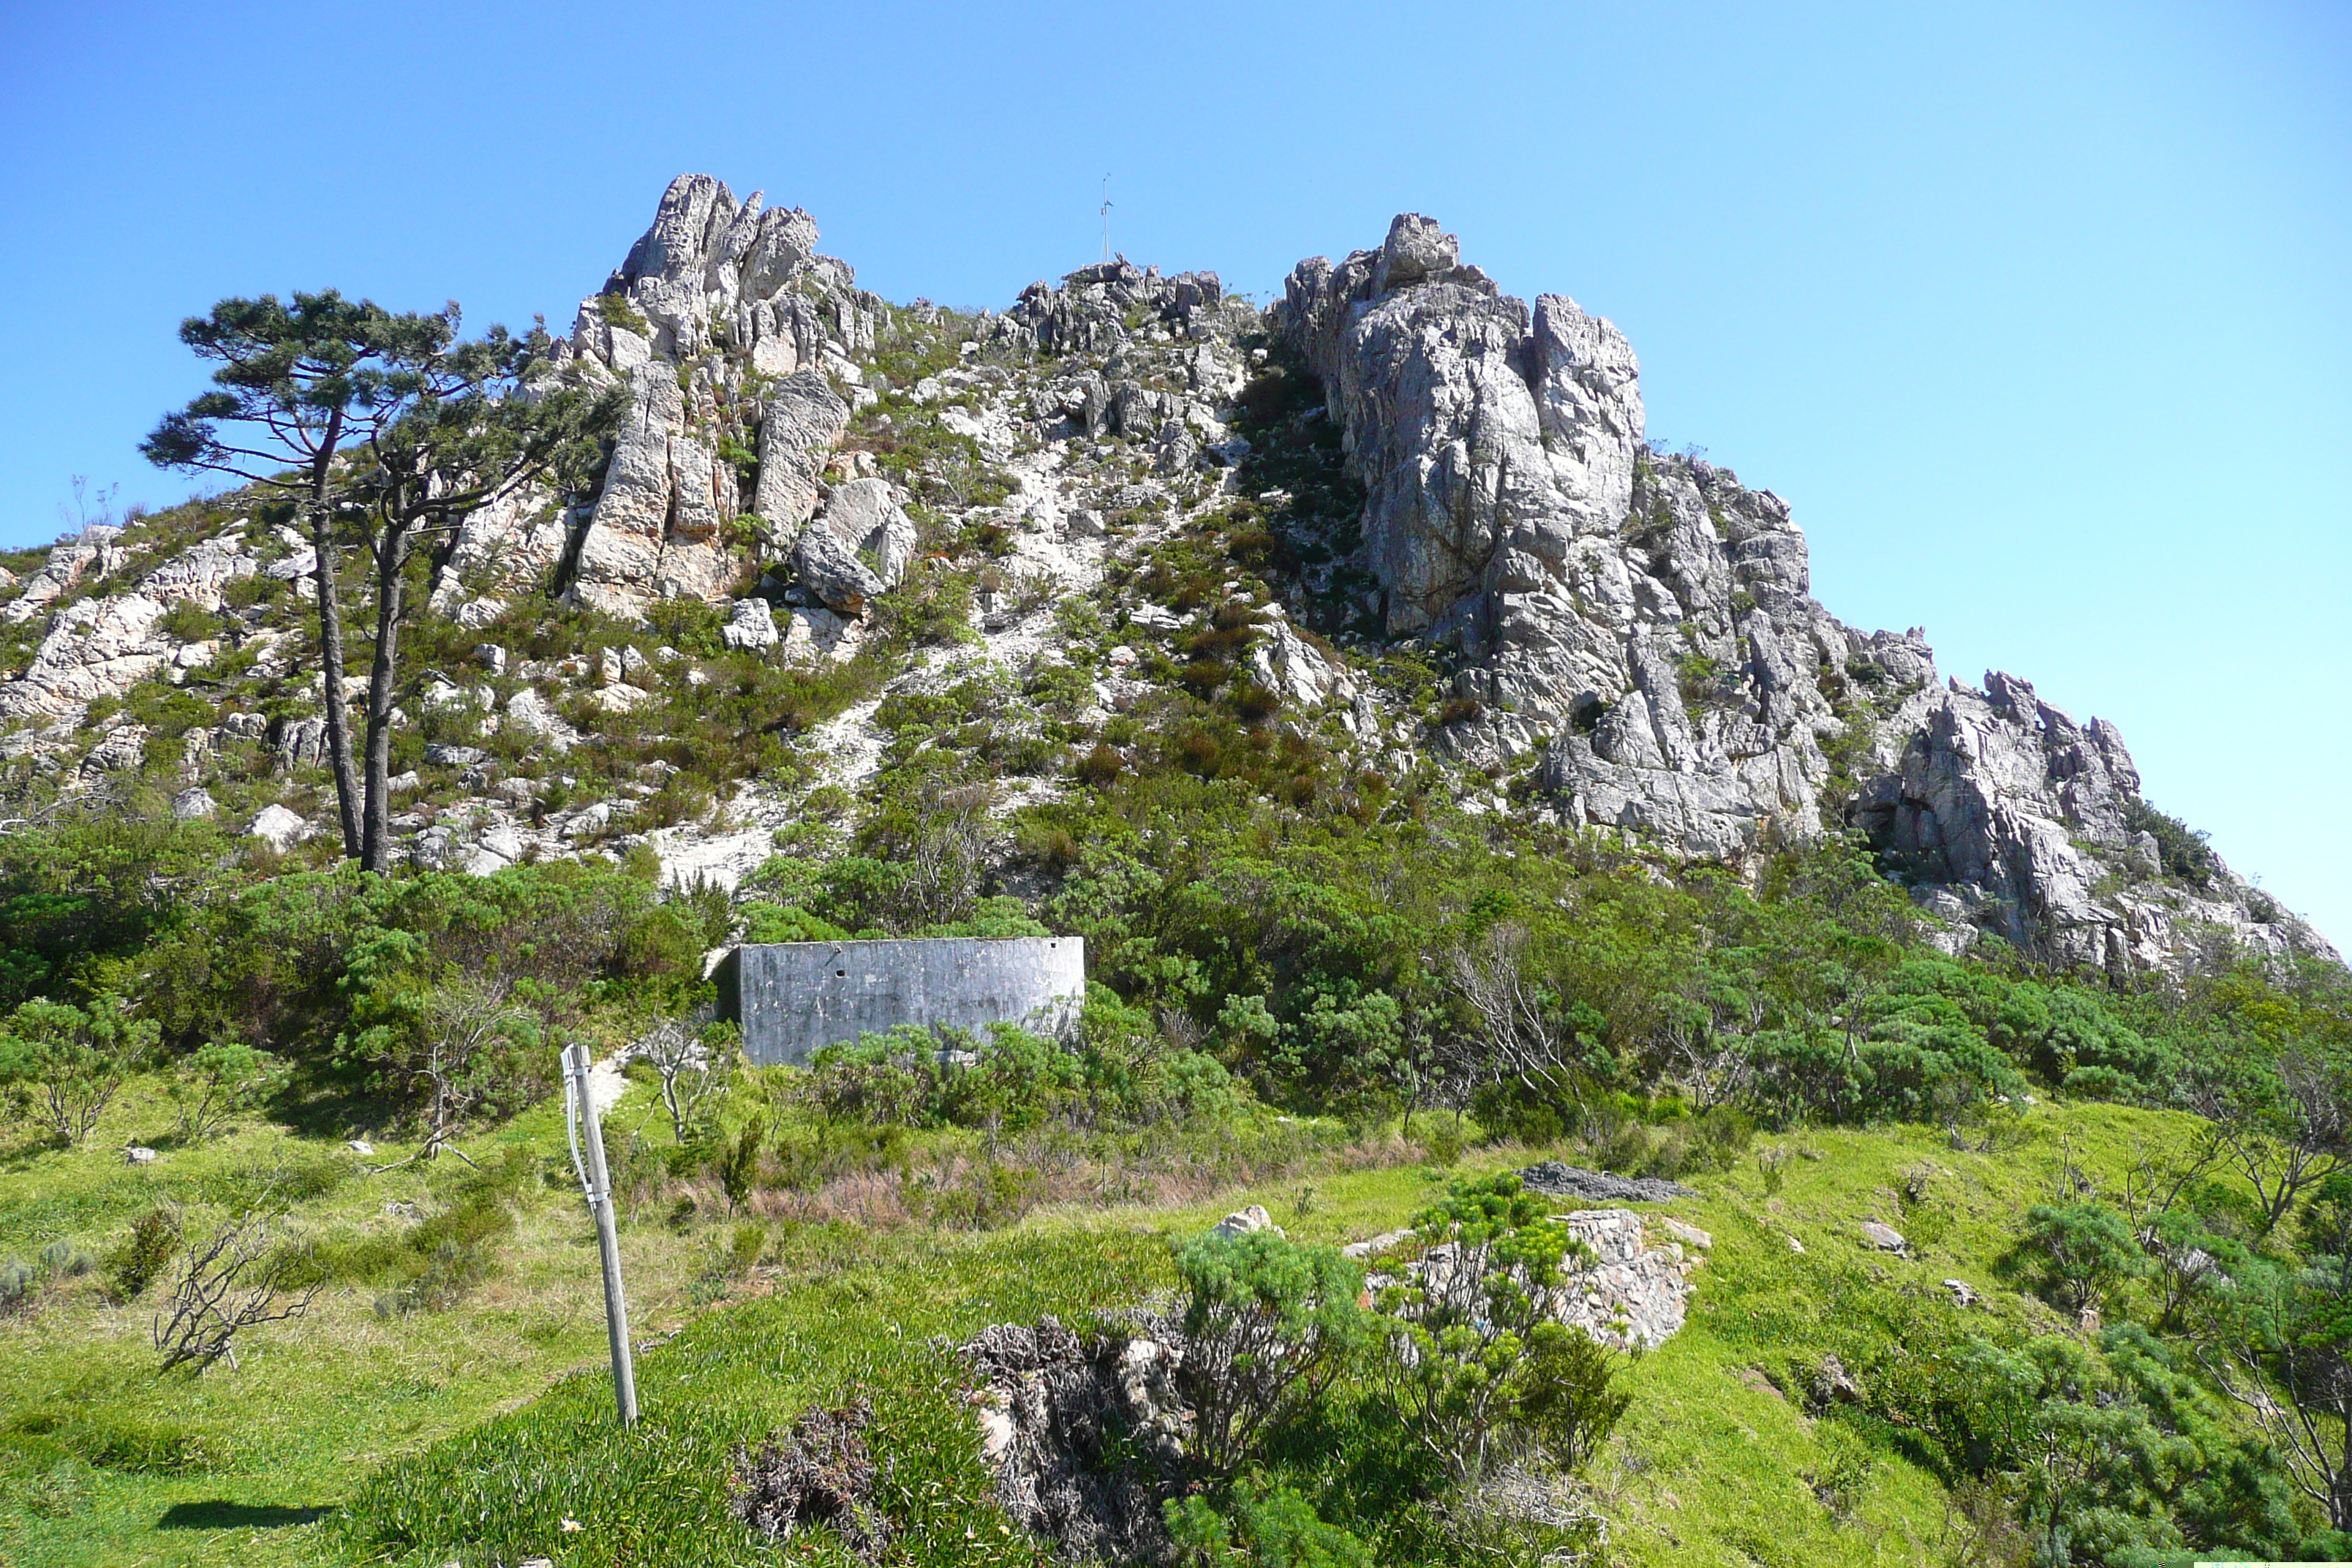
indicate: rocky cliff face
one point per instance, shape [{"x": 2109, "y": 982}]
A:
[
  {"x": 1634, "y": 629},
  {"x": 1646, "y": 620}
]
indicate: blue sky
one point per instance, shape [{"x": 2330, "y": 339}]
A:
[{"x": 2041, "y": 315}]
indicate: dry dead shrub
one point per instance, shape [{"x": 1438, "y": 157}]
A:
[{"x": 819, "y": 1471}]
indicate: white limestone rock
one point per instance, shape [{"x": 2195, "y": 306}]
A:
[
  {"x": 98, "y": 647},
  {"x": 69, "y": 560},
  {"x": 1295, "y": 670},
  {"x": 800, "y": 425},
  {"x": 1241, "y": 1222},
  {"x": 751, "y": 626},
  {"x": 279, "y": 828}
]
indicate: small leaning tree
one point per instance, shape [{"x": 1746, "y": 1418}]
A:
[{"x": 378, "y": 429}]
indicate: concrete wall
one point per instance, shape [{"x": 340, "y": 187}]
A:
[{"x": 794, "y": 997}]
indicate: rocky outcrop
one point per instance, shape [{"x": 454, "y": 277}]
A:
[
  {"x": 2007, "y": 816},
  {"x": 801, "y": 424},
  {"x": 102, "y": 646},
  {"x": 514, "y": 546},
  {"x": 1646, "y": 617},
  {"x": 93, "y": 552},
  {"x": 1093, "y": 309},
  {"x": 1647, "y": 620},
  {"x": 716, "y": 300}
]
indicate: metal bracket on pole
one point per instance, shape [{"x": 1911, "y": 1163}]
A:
[{"x": 578, "y": 1114}]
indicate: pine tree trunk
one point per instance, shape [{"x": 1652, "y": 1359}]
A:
[
  {"x": 392, "y": 557},
  {"x": 331, "y": 642}
]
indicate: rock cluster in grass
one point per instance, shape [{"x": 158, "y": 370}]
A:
[{"x": 1621, "y": 1289}]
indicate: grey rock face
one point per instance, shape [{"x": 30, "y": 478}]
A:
[
  {"x": 733, "y": 291},
  {"x": 1648, "y": 615},
  {"x": 1650, "y": 620},
  {"x": 1088, "y": 312},
  {"x": 865, "y": 515},
  {"x": 830, "y": 569},
  {"x": 803, "y": 422}
]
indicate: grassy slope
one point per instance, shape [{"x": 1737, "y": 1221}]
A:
[{"x": 1712, "y": 1464}]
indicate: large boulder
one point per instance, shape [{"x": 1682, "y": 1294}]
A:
[
  {"x": 830, "y": 569},
  {"x": 752, "y": 625},
  {"x": 865, "y": 514},
  {"x": 800, "y": 424},
  {"x": 655, "y": 533}
]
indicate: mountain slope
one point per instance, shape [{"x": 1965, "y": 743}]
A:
[{"x": 1396, "y": 459}]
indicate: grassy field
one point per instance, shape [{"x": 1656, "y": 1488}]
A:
[{"x": 472, "y": 1435}]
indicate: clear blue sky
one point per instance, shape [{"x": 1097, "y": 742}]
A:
[{"x": 2041, "y": 314}]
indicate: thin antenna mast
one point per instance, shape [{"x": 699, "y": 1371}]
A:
[{"x": 1105, "y": 218}]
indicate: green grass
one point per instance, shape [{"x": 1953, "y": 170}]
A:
[{"x": 471, "y": 1435}]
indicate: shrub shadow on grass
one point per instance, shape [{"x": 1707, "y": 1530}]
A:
[{"x": 219, "y": 1513}]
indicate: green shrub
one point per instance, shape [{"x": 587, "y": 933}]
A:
[
  {"x": 18, "y": 1281},
  {"x": 65, "y": 1260},
  {"x": 1269, "y": 1327},
  {"x": 1263, "y": 1525},
  {"x": 61, "y": 1066},
  {"x": 1474, "y": 1372},
  {"x": 141, "y": 1256},
  {"x": 220, "y": 1080},
  {"x": 2181, "y": 851},
  {"x": 2081, "y": 1250}
]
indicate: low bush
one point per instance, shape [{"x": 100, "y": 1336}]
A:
[{"x": 1269, "y": 1327}]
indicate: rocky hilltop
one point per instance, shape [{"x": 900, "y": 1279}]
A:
[{"x": 1397, "y": 459}]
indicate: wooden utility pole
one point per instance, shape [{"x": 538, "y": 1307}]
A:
[{"x": 579, "y": 1112}]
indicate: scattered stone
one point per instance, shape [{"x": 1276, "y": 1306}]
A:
[
  {"x": 194, "y": 805},
  {"x": 442, "y": 754},
  {"x": 1241, "y": 1222},
  {"x": 1554, "y": 1179},
  {"x": 753, "y": 626},
  {"x": 1884, "y": 1237},
  {"x": 1963, "y": 1293},
  {"x": 1380, "y": 1243},
  {"x": 362, "y": 1147},
  {"x": 1689, "y": 1233},
  {"x": 1795, "y": 1246},
  {"x": 1831, "y": 1382},
  {"x": 280, "y": 829},
  {"x": 139, "y": 1154}
]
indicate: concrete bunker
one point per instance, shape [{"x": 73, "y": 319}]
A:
[{"x": 793, "y": 998}]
